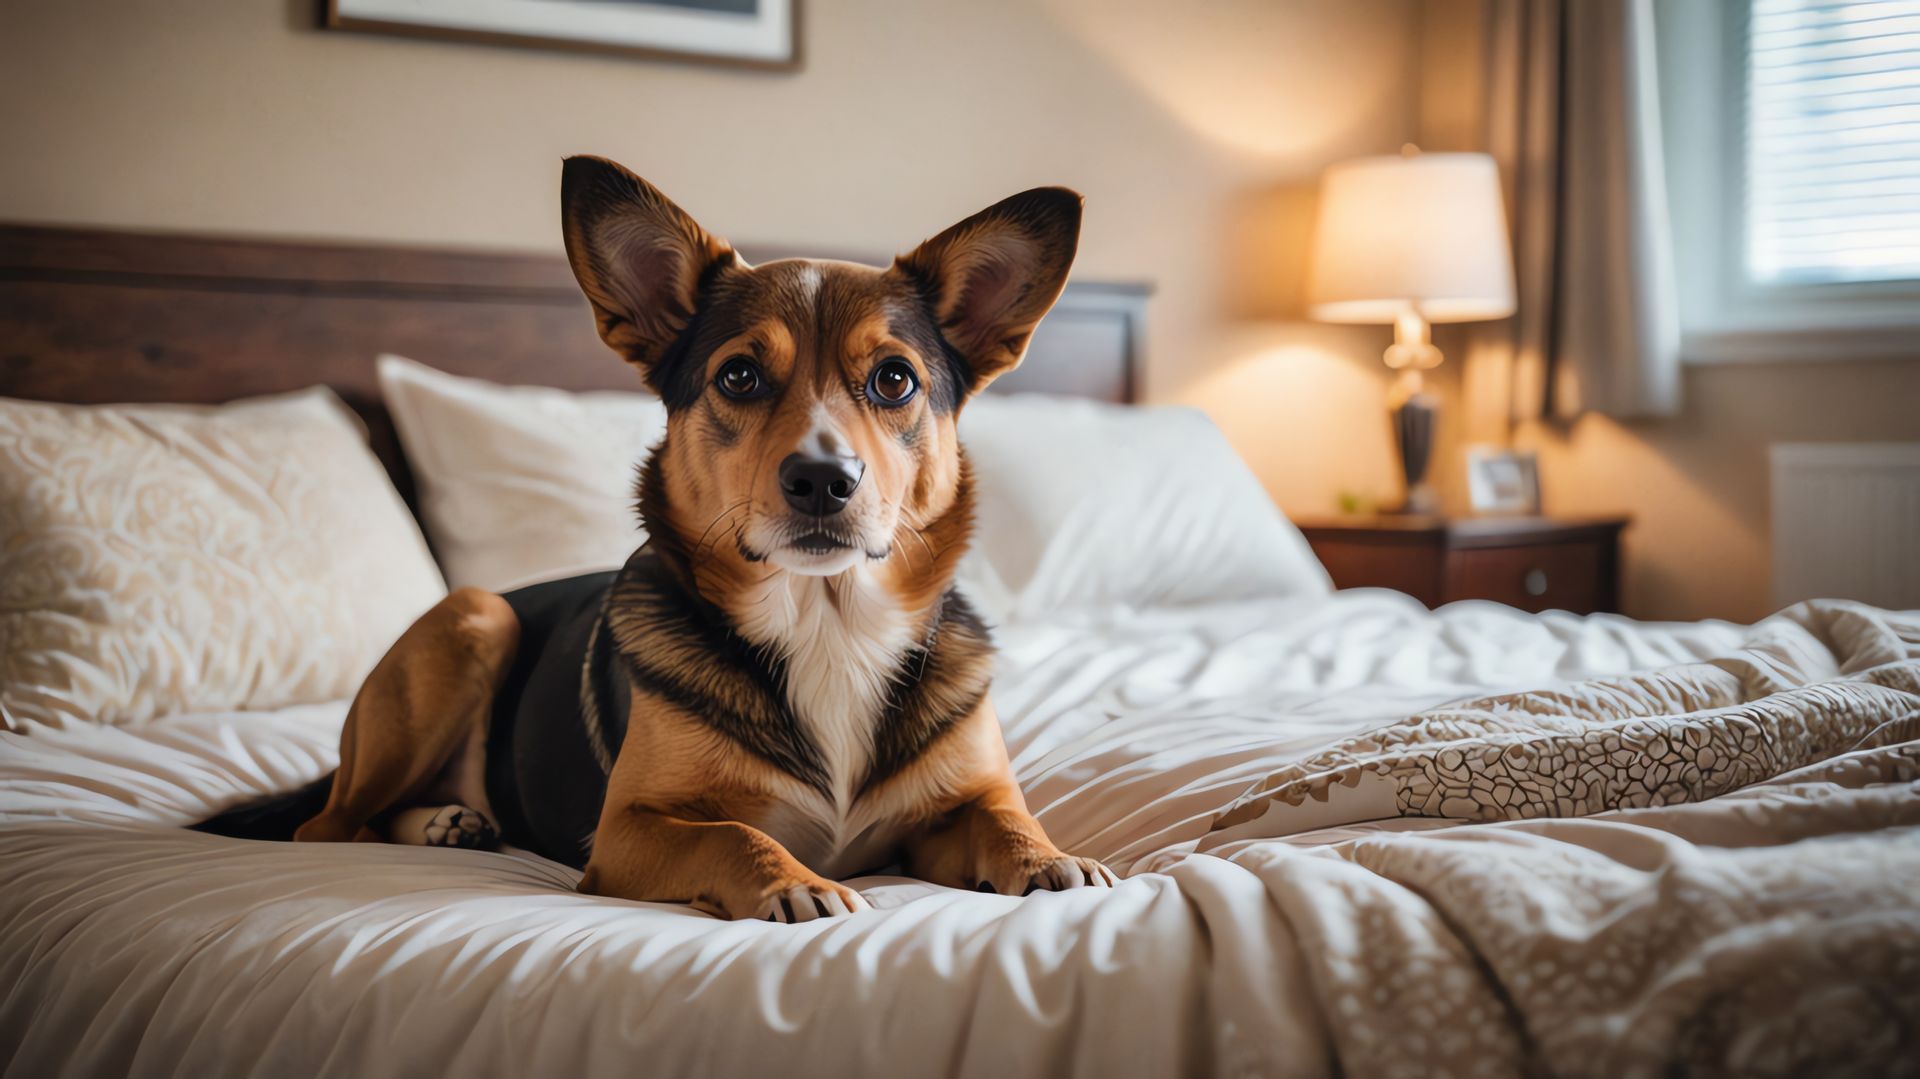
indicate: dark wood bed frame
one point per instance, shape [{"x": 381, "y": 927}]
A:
[{"x": 94, "y": 317}]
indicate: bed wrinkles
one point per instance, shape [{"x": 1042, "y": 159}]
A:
[{"x": 1301, "y": 901}]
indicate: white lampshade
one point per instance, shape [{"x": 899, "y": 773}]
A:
[{"x": 1423, "y": 233}]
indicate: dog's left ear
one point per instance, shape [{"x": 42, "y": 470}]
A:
[{"x": 992, "y": 277}]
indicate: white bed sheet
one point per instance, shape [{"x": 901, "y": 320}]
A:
[{"x": 132, "y": 946}]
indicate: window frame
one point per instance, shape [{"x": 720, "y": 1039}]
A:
[{"x": 1726, "y": 316}]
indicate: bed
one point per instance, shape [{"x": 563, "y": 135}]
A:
[{"x": 1356, "y": 835}]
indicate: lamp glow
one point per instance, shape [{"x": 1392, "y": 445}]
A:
[{"x": 1411, "y": 240}]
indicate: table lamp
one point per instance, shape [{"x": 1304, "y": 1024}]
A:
[{"x": 1411, "y": 240}]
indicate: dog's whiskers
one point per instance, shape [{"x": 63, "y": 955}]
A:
[
  {"x": 701, "y": 544},
  {"x": 920, "y": 535}
]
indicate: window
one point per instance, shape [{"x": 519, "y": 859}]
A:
[
  {"x": 1791, "y": 130},
  {"x": 1833, "y": 141}
]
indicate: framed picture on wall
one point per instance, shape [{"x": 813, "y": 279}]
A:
[{"x": 751, "y": 33}]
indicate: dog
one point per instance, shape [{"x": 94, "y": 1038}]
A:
[{"x": 781, "y": 688}]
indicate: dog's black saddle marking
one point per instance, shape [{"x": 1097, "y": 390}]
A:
[{"x": 545, "y": 776}]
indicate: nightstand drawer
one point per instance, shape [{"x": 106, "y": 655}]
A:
[
  {"x": 1533, "y": 563},
  {"x": 1536, "y": 577}
]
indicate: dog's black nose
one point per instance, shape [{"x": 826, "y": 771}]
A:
[{"x": 820, "y": 485}]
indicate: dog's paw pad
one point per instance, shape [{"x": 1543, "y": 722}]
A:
[{"x": 459, "y": 826}]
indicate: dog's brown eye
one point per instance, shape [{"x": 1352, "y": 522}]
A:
[
  {"x": 892, "y": 384},
  {"x": 740, "y": 379}
]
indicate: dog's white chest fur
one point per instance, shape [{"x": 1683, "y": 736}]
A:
[{"x": 842, "y": 638}]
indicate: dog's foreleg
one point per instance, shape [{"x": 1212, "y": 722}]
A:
[
  {"x": 721, "y": 867},
  {"x": 992, "y": 844},
  {"x": 986, "y": 840}
]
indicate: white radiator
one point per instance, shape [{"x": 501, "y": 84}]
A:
[{"x": 1846, "y": 522}]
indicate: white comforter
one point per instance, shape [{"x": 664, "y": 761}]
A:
[{"x": 1314, "y": 936}]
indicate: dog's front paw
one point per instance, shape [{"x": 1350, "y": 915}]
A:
[
  {"x": 1049, "y": 871},
  {"x": 1069, "y": 871},
  {"x": 786, "y": 901}
]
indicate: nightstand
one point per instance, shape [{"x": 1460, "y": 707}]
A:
[{"x": 1533, "y": 563}]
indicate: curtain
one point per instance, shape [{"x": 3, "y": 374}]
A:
[{"x": 1572, "y": 116}]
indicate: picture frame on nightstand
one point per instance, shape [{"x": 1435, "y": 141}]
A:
[{"x": 1503, "y": 482}]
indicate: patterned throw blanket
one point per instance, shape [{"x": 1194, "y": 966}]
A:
[{"x": 1712, "y": 867}]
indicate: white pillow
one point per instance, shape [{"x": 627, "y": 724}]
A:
[
  {"x": 1083, "y": 504},
  {"x": 520, "y": 484},
  {"x": 157, "y": 559}
]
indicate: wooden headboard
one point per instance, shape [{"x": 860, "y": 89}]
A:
[{"x": 93, "y": 317}]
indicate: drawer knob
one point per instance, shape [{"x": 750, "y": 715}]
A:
[{"x": 1536, "y": 582}]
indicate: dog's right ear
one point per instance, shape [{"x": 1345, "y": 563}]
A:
[{"x": 638, "y": 257}]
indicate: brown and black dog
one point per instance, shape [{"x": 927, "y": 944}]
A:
[{"x": 781, "y": 687}]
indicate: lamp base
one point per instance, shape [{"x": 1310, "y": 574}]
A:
[
  {"x": 1415, "y": 411},
  {"x": 1413, "y": 426}
]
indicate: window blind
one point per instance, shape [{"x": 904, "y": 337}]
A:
[{"x": 1833, "y": 141}]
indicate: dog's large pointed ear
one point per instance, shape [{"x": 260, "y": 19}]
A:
[
  {"x": 992, "y": 277},
  {"x": 639, "y": 258}
]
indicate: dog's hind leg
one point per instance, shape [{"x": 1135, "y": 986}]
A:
[
  {"x": 419, "y": 723},
  {"x": 443, "y": 826}
]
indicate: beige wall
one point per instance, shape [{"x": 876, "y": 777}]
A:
[
  {"x": 240, "y": 116},
  {"x": 1196, "y": 132}
]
